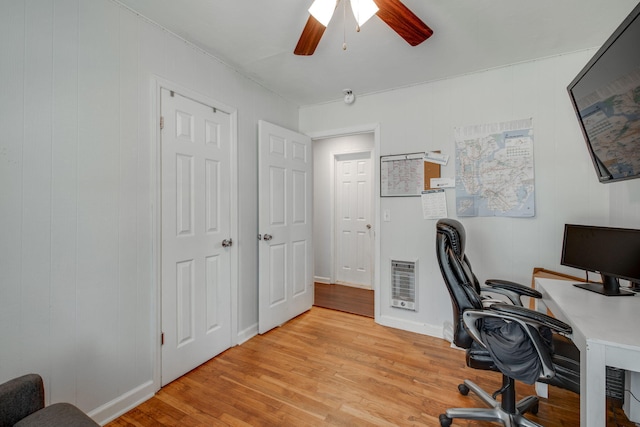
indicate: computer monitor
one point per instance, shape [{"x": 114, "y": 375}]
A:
[
  {"x": 605, "y": 98},
  {"x": 612, "y": 252}
]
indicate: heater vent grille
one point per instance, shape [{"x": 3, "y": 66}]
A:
[{"x": 403, "y": 284}]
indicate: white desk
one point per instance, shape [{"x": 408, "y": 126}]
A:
[{"x": 606, "y": 330}]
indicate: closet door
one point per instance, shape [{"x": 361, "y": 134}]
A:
[{"x": 196, "y": 267}]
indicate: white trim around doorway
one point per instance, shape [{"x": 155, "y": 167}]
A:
[{"x": 355, "y": 130}]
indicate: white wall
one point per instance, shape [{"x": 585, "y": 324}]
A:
[
  {"x": 625, "y": 204},
  {"x": 422, "y": 118},
  {"x": 77, "y": 284},
  {"x": 324, "y": 151}
]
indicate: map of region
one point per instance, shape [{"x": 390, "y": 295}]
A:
[
  {"x": 612, "y": 124},
  {"x": 494, "y": 170}
]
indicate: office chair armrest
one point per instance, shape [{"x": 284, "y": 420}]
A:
[
  {"x": 488, "y": 302},
  {"x": 514, "y": 287},
  {"x": 512, "y": 290},
  {"x": 534, "y": 318}
]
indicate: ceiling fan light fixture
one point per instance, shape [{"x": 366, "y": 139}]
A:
[
  {"x": 363, "y": 10},
  {"x": 392, "y": 12},
  {"x": 322, "y": 10}
]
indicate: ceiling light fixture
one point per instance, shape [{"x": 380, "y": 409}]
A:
[
  {"x": 392, "y": 12},
  {"x": 363, "y": 10},
  {"x": 323, "y": 10}
]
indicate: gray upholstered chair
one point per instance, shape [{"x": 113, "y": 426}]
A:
[{"x": 22, "y": 405}]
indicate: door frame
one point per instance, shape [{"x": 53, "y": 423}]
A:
[
  {"x": 334, "y": 206},
  {"x": 356, "y": 130},
  {"x": 157, "y": 84}
]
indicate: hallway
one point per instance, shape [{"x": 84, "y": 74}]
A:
[{"x": 345, "y": 298}]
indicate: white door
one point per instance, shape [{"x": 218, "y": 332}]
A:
[
  {"x": 354, "y": 219},
  {"x": 285, "y": 287},
  {"x": 196, "y": 288}
]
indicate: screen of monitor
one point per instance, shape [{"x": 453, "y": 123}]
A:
[
  {"x": 606, "y": 98},
  {"x": 612, "y": 252}
]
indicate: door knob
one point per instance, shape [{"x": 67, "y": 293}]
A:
[
  {"x": 267, "y": 237},
  {"x": 368, "y": 226},
  {"x": 226, "y": 243}
]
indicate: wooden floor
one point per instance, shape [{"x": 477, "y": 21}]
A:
[
  {"x": 328, "y": 367},
  {"x": 344, "y": 298}
]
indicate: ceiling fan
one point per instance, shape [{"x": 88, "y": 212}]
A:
[{"x": 393, "y": 12}]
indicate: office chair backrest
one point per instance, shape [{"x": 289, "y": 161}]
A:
[{"x": 462, "y": 284}]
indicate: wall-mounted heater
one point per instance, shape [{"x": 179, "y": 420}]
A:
[{"x": 403, "y": 284}]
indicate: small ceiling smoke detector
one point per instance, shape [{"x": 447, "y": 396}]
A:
[{"x": 349, "y": 97}]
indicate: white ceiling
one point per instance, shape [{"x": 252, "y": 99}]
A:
[{"x": 257, "y": 38}]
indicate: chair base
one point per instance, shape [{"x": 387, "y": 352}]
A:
[{"x": 495, "y": 412}]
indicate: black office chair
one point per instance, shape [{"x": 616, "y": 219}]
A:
[
  {"x": 546, "y": 357},
  {"x": 455, "y": 241}
]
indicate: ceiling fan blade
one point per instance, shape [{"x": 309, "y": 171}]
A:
[
  {"x": 403, "y": 21},
  {"x": 310, "y": 37}
]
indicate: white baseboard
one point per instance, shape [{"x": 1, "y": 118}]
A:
[
  {"x": 407, "y": 325},
  {"x": 120, "y": 405},
  {"x": 325, "y": 280},
  {"x": 246, "y": 334},
  {"x": 355, "y": 285},
  {"x": 123, "y": 403}
]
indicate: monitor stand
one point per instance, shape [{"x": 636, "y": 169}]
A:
[{"x": 600, "y": 289}]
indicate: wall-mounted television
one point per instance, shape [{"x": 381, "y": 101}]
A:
[{"x": 606, "y": 99}]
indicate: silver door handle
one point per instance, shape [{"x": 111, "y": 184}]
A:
[
  {"x": 226, "y": 243},
  {"x": 267, "y": 237}
]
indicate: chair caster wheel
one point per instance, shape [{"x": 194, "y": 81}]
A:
[
  {"x": 534, "y": 409},
  {"x": 463, "y": 389},
  {"x": 445, "y": 421}
]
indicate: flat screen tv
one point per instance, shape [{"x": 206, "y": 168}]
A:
[
  {"x": 606, "y": 99},
  {"x": 612, "y": 252}
]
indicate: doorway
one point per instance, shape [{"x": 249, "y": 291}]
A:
[{"x": 330, "y": 148}]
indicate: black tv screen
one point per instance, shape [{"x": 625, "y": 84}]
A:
[{"x": 606, "y": 99}]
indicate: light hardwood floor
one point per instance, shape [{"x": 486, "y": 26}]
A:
[{"x": 327, "y": 367}]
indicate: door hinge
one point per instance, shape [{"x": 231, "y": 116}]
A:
[
  {"x": 161, "y": 122},
  {"x": 162, "y": 339}
]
